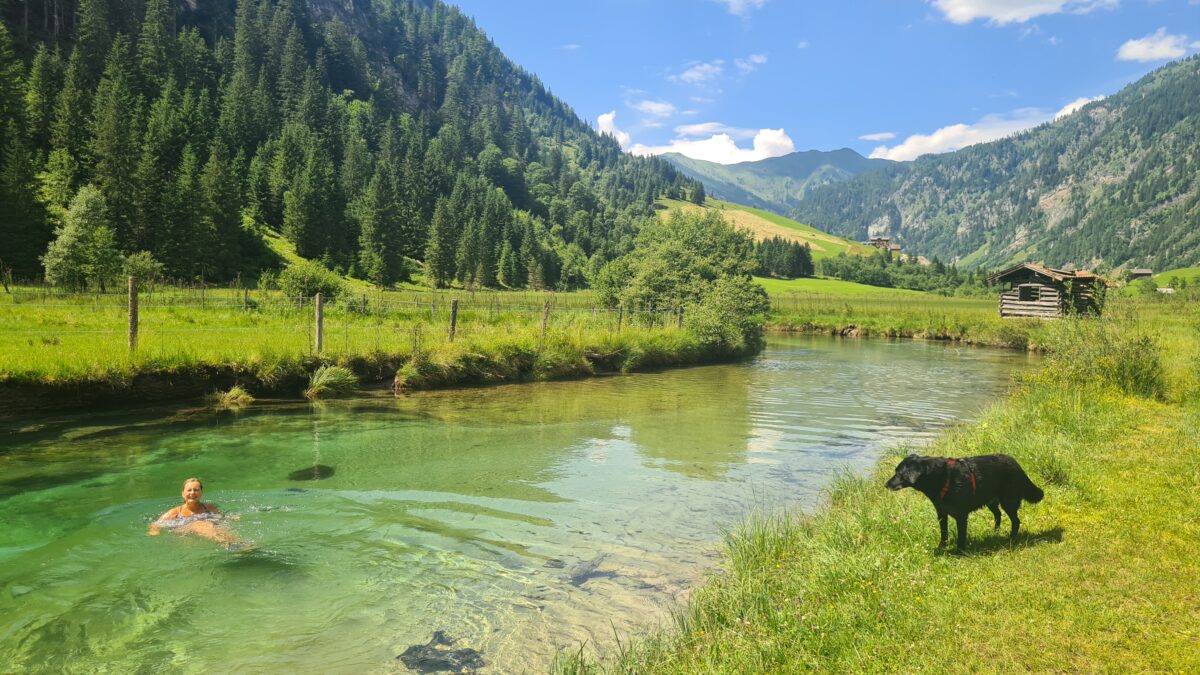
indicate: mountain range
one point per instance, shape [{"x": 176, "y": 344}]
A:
[
  {"x": 777, "y": 183},
  {"x": 1115, "y": 184}
]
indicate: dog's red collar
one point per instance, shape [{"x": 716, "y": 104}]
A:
[{"x": 946, "y": 488}]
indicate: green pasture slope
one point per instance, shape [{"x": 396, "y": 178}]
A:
[
  {"x": 1190, "y": 274},
  {"x": 834, "y": 287},
  {"x": 765, "y": 225},
  {"x": 1100, "y": 580}
]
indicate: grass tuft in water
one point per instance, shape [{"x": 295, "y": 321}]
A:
[
  {"x": 331, "y": 382},
  {"x": 235, "y": 398}
]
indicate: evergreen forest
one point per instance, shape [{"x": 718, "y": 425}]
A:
[{"x": 374, "y": 136}]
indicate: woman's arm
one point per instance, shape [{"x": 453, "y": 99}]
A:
[{"x": 153, "y": 531}]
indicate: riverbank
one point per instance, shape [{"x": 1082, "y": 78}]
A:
[
  {"x": 892, "y": 314},
  {"x": 1096, "y": 582},
  {"x": 507, "y": 353}
]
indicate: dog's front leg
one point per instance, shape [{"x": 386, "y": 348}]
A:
[
  {"x": 945, "y": 528},
  {"x": 960, "y": 522}
]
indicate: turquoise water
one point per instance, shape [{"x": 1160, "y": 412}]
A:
[{"x": 519, "y": 519}]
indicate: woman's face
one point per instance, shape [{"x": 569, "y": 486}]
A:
[{"x": 192, "y": 492}]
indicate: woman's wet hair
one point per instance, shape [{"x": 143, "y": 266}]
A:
[{"x": 194, "y": 480}]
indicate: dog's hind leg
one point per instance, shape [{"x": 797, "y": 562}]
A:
[
  {"x": 1010, "y": 507},
  {"x": 995, "y": 507}
]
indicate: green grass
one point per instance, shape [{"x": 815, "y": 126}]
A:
[
  {"x": 56, "y": 347},
  {"x": 1191, "y": 274},
  {"x": 1100, "y": 580},
  {"x": 782, "y": 290},
  {"x": 765, "y": 225}
]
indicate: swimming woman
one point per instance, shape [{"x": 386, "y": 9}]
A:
[{"x": 195, "y": 517}]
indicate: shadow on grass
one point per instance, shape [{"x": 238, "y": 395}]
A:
[{"x": 998, "y": 542}]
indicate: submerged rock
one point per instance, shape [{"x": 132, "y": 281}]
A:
[
  {"x": 437, "y": 657},
  {"x": 584, "y": 570},
  {"x": 314, "y": 472}
]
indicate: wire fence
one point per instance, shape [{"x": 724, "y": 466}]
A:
[{"x": 41, "y": 328}]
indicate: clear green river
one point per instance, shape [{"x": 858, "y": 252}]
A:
[{"x": 519, "y": 520}]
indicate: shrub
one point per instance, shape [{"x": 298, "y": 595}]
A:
[
  {"x": 268, "y": 280},
  {"x": 331, "y": 382},
  {"x": 730, "y": 315},
  {"x": 145, "y": 268},
  {"x": 1112, "y": 354},
  {"x": 307, "y": 278}
]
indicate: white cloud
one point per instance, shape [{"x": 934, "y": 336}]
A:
[
  {"x": 700, "y": 73},
  {"x": 1014, "y": 11},
  {"x": 570, "y": 47},
  {"x": 722, "y": 149},
  {"x": 750, "y": 63},
  {"x": 955, "y": 136},
  {"x": 884, "y": 136},
  {"x": 803, "y": 44},
  {"x": 655, "y": 108},
  {"x": 1158, "y": 46},
  {"x": 608, "y": 125},
  {"x": 712, "y": 129},
  {"x": 742, "y": 7},
  {"x": 1075, "y": 105},
  {"x": 702, "y": 99}
]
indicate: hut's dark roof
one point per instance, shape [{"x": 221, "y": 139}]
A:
[{"x": 1048, "y": 272}]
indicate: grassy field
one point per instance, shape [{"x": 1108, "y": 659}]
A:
[
  {"x": 766, "y": 225},
  {"x": 784, "y": 290},
  {"x": 54, "y": 343},
  {"x": 1190, "y": 274},
  {"x": 1100, "y": 580}
]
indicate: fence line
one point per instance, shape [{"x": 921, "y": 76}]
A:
[{"x": 331, "y": 318}]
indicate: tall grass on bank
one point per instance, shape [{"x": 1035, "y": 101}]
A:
[{"x": 1101, "y": 579}]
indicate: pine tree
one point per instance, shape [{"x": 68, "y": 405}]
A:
[
  {"x": 45, "y": 81},
  {"x": 190, "y": 241},
  {"x": 439, "y": 252},
  {"x": 154, "y": 46},
  {"x": 93, "y": 41},
  {"x": 23, "y": 222},
  {"x": 115, "y": 140},
  {"x": 12, "y": 88},
  {"x": 221, "y": 210},
  {"x": 160, "y": 155}
]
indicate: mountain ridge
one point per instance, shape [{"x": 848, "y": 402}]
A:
[
  {"x": 1114, "y": 184},
  {"x": 777, "y": 183}
]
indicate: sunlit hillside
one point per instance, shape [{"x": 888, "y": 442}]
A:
[{"x": 766, "y": 225}]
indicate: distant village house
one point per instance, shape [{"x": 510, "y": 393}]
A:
[{"x": 1047, "y": 293}]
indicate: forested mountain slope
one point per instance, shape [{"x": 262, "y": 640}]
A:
[
  {"x": 365, "y": 132},
  {"x": 1117, "y": 182},
  {"x": 777, "y": 183}
]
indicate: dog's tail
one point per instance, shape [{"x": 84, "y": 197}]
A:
[{"x": 1033, "y": 494}]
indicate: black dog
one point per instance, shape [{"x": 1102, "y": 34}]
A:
[{"x": 959, "y": 486}]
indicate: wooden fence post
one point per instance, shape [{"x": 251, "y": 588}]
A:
[
  {"x": 245, "y": 298},
  {"x": 545, "y": 319},
  {"x": 620, "y": 316},
  {"x": 320, "y": 305},
  {"x": 133, "y": 314},
  {"x": 453, "y": 317},
  {"x": 681, "y": 317}
]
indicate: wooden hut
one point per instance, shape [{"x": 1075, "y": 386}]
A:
[{"x": 1047, "y": 293}]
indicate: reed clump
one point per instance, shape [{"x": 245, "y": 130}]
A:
[
  {"x": 234, "y": 398},
  {"x": 331, "y": 382}
]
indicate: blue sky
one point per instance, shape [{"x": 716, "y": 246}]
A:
[{"x": 738, "y": 80}]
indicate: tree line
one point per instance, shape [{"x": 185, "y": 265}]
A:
[{"x": 373, "y": 139}]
